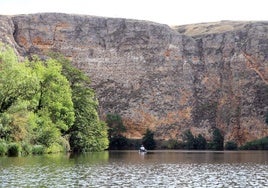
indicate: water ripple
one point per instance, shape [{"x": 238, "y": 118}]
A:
[{"x": 136, "y": 174}]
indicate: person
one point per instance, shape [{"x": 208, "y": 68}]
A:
[{"x": 142, "y": 149}]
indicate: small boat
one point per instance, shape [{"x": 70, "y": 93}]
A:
[{"x": 142, "y": 151}]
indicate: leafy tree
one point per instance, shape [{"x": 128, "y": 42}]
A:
[
  {"x": 148, "y": 140},
  {"x": 88, "y": 132},
  {"x": 45, "y": 103},
  {"x": 35, "y": 100},
  {"x": 231, "y": 145},
  {"x": 115, "y": 124},
  {"x": 259, "y": 144},
  {"x": 218, "y": 140},
  {"x": 52, "y": 103},
  {"x": 116, "y": 130},
  {"x": 17, "y": 88},
  {"x": 192, "y": 142},
  {"x": 189, "y": 140},
  {"x": 201, "y": 142}
]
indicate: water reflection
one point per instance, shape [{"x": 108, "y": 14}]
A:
[{"x": 131, "y": 169}]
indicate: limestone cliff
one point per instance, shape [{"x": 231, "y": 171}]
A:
[{"x": 166, "y": 79}]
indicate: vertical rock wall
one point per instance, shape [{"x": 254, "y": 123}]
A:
[{"x": 157, "y": 77}]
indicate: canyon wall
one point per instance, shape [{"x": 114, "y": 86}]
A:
[{"x": 167, "y": 79}]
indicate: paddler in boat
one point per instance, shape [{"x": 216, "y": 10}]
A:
[{"x": 142, "y": 149}]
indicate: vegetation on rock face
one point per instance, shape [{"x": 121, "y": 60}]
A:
[{"x": 45, "y": 103}]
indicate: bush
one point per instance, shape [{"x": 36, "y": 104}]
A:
[
  {"x": 231, "y": 145},
  {"x": 54, "y": 148},
  {"x": 38, "y": 149},
  {"x": 200, "y": 142},
  {"x": 172, "y": 144},
  {"x": 148, "y": 140},
  {"x": 65, "y": 144},
  {"x": 3, "y": 148},
  {"x": 192, "y": 142},
  {"x": 218, "y": 140},
  {"x": 14, "y": 149},
  {"x": 118, "y": 142},
  {"x": 26, "y": 149},
  {"x": 260, "y": 144},
  {"x": 189, "y": 140}
]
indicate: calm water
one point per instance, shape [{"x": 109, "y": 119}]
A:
[{"x": 131, "y": 169}]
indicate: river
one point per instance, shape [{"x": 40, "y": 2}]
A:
[{"x": 130, "y": 169}]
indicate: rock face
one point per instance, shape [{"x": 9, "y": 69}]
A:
[{"x": 166, "y": 79}]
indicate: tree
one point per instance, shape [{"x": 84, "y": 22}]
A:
[
  {"x": 192, "y": 142},
  {"x": 18, "y": 86},
  {"x": 54, "y": 111},
  {"x": 231, "y": 145},
  {"x": 148, "y": 140},
  {"x": 218, "y": 140},
  {"x": 201, "y": 142},
  {"x": 46, "y": 103},
  {"x": 35, "y": 100},
  {"x": 189, "y": 140},
  {"x": 88, "y": 132},
  {"x": 116, "y": 131},
  {"x": 115, "y": 124}
]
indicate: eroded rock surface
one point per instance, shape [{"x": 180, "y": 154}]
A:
[{"x": 167, "y": 79}]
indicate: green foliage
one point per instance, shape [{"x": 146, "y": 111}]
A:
[
  {"x": 218, "y": 140},
  {"x": 201, "y": 142},
  {"x": 189, "y": 140},
  {"x": 38, "y": 149},
  {"x": 43, "y": 101},
  {"x": 115, "y": 132},
  {"x": 118, "y": 143},
  {"x": 54, "y": 148},
  {"x": 14, "y": 149},
  {"x": 88, "y": 132},
  {"x": 192, "y": 142},
  {"x": 148, "y": 140},
  {"x": 172, "y": 144},
  {"x": 260, "y": 144},
  {"x": 3, "y": 148},
  {"x": 115, "y": 124},
  {"x": 26, "y": 149},
  {"x": 231, "y": 145}
]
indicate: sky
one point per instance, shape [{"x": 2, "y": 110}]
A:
[{"x": 171, "y": 12}]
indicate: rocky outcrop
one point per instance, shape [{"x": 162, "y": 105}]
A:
[{"x": 167, "y": 79}]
